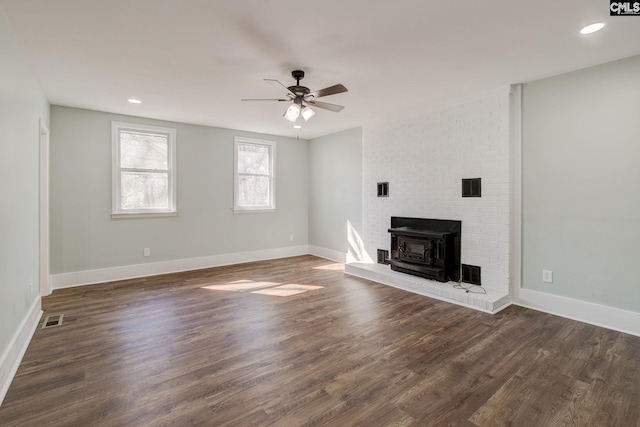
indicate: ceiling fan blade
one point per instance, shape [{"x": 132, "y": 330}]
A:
[
  {"x": 325, "y": 105},
  {"x": 261, "y": 99},
  {"x": 279, "y": 86},
  {"x": 331, "y": 90}
]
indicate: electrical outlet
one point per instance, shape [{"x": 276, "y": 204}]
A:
[
  {"x": 31, "y": 288},
  {"x": 147, "y": 252},
  {"x": 291, "y": 237},
  {"x": 547, "y": 276}
]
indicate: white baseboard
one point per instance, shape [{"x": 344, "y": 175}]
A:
[
  {"x": 587, "y": 312},
  {"x": 87, "y": 277},
  {"x": 329, "y": 254},
  {"x": 14, "y": 353}
]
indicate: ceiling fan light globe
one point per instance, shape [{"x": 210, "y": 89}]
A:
[
  {"x": 292, "y": 113},
  {"x": 307, "y": 113}
]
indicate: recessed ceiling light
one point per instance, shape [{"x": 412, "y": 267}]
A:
[
  {"x": 592, "y": 28},
  {"x": 297, "y": 127},
  {"x": 134, "y": 101}
]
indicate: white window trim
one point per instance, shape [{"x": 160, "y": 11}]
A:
[
  {"x": 236, "y": 182},
  {"x": 116, "y": 212}
]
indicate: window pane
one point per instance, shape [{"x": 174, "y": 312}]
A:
[
  {"x": 253, "y": 191},
  {"x": 143, "y": 151},
  {"x": 144, "y": 190},
  {"x": 253, "y": 159}
]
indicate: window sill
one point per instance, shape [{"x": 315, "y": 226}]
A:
[
  {"x": 249, "y": 211},
  {"x": 143, "y": 215}
]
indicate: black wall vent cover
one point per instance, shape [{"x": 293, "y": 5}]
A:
[
  {"x": 472, "y": 187},
  {"x": 471, "y": 274},
  {"x": 383, "y": 256},
  {"x": 383, "y": 189}
]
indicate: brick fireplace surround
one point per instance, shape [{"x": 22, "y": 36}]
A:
[{"x": 424, "y": 158}]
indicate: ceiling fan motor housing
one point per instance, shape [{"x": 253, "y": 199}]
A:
[
  {"x": 298, "y": 90},
  {"x": 300, "y": 96}
]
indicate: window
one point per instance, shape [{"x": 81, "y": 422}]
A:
[
  {"x": 254, "y": 177},
  {"x": 144, "y": 172}
]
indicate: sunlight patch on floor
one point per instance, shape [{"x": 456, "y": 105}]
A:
[
  {"x": 287, "y": 290},
  {"x": 264, "y": 288},
  {"x": 240, "y": 285},
  {"x": 337, "y": 266}
]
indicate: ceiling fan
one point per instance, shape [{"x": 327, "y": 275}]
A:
[{"x": 301, "y": 97}]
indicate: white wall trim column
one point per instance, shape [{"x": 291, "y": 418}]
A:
[
  {"x": 515, "y": 130},
  {"x": 44, "y": 209}
]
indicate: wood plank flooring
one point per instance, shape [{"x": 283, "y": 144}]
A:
[{"x": 237, "y": 346}]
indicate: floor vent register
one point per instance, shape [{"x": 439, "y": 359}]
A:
[{"x": 52, "y": 321}]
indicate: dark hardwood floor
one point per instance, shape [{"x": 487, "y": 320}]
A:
[{"x": 237, "y": 346}]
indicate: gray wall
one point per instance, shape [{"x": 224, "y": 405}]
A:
[
  {"x": 335, "y": 191},
  {"x": 581, "y": 184},
  {"x": 22, "y": 105},
  {"x": 84, "y": 237}
]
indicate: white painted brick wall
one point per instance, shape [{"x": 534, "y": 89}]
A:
[{"x": 424, "y": 159}]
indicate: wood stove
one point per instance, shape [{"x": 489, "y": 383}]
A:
[{"x": 428, "y": 248}]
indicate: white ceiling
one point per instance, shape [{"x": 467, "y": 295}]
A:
[{"x": 192, "y": 61}]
